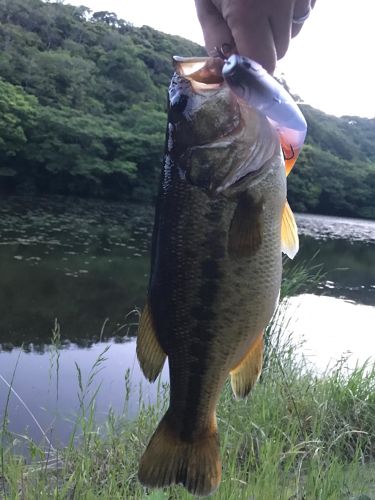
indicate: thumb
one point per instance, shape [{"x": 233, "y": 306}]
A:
[{"x": 215, "y": 30}]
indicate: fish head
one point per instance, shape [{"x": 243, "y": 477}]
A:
[
  {"x": 219, "y": 143},
  {"x": 201, "y": 107}
]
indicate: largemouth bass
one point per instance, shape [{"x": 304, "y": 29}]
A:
[{"x": 221, "y": 223}]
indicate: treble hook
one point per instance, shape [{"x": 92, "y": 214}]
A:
[
  {"x": 293, "y": 154},
  {"x": 224, "y": 51}
]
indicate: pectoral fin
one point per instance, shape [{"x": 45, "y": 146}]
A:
[
  {"x": 289, "y": 232},
  {"x": 246, "y": 229},
  {"x": 246, "y": 373},
  {"x": 150, "y": 355}
]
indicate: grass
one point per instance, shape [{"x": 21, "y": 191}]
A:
[{"x": 297, "y": 437}]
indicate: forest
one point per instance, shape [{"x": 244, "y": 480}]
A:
[{"x": 83, "y": 112}]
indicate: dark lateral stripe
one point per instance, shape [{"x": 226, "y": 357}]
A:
[{"x": 204, "y": 312}]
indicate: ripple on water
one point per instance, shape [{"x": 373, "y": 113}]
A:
[{"x": 323, "y": 227}]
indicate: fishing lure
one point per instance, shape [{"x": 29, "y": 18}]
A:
[{"x": 251, "y": 82}]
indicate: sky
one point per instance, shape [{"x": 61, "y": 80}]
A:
[{"x": 330, "y": 65}]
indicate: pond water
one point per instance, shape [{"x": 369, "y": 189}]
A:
[{"x": 86, "y": 263}]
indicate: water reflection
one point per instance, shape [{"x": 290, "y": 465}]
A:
[
  {"x": 331, "y": 329},
  {"x": 80, "y": 262},
  {"x": 349, "y": 267},
  {"x": 122, "y": 387}
]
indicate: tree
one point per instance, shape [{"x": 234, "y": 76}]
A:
[
  {"x": 83, "y": 111},
  {"x": 18, "y": 114}
]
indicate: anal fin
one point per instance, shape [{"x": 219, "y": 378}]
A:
[
  {"x": 150, "y": 355},
  {"x": 289, "y": 232},
  {"x": 247, "y": 372}
]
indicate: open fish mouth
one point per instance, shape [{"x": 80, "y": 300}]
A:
[
  {"x": 204, "y": 73},
  {"x": 202, "y": 107}
]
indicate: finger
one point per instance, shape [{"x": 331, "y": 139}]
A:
[
  {"x": 281, "y": 25},
  {"x": 296, "y": 28},
  {"x": 301, "y": 8},
  {"x": 253, "y": 38},
  {"x": 215, "y": 30}
]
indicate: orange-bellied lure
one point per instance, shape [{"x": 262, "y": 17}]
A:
[{"x": 251, "y": 82}]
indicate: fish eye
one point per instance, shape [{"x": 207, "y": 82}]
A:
[{"x": 177, "y": 105}]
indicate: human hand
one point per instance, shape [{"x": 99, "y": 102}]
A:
[{"x": 259, "y": 29}]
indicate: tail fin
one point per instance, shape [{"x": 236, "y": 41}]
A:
[{"x": 170, "y": 460}]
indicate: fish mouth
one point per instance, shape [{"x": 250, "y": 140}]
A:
[
  {"x": 202, "y": 108},
  {"x": 204, "y": 73}
]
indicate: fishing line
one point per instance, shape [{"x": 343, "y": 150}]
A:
[{"x": 28, "y": 411}]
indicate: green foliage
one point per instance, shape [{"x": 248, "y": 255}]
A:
[
  {"x": 82, "y": 111},
  {"x": 82, "y": 101},
  {"x": 335, "y": 173},
  {"x": 18, "y": 116}
]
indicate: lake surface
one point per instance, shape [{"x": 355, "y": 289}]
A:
[{"x": 86, "y": 263}]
